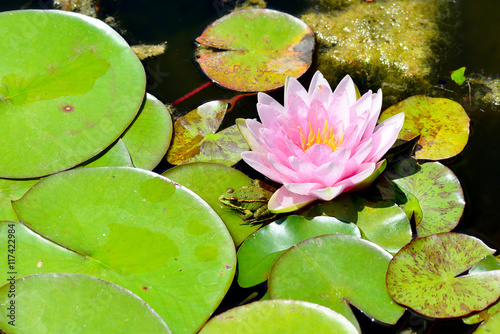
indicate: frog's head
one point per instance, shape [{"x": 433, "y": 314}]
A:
[{"x": 229, "y": 198}]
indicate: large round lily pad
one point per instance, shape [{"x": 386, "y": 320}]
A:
[
  {"x": 261, "y": 47},
  {"x": 131, "y": 227},
  {"x": 259, "y": 251},
  {"x": 148, "y": 137},
  {"x": 442, "y": 124},
  {"x": 209, "y": 181},
  {"x": 279, "y": 316},
  {"x": 381, "y": 222},
  {"x": 426, "y": 275},
  {"x": 70, "y": 303},
  {"x": 336, "y": 270},
  {"x": 440, "y": 196},
  {"x": 69, "y": 86}
]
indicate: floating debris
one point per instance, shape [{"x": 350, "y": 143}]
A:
[{"x": 144, "y": 51}]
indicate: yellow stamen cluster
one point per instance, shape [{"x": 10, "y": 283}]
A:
[{"x": 325, "y": 136}]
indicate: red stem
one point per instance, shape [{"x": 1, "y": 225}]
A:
[
  {"x": 235, "y": 99},
  {"x": 188, "y": 95}
]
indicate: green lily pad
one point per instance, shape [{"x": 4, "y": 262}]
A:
[
  {"x": 70, "y": 303},
  {"x": 336, "y": 270},
  {"x": 209, "y": 181},
  {"x": 259, "y": 251},
  {"x": 195, "y": 138},
  {"x": 491, "y": 325},
  {"x": 442, "y": 124},
  {"x": 116, "y": 155},
  {"x": 487, "y": 264},
  {"x": 404, "y": 199},
  {"x": 261, "y": 47},
  {"x": 148, "y": 137},
  {"x": 69, "y": 87},
  {"x": 131, "y": 227},
  {"x": 12, "y": 190},
  {"x": 381, "y": 222},
  {"x": 425, "y": 275},
  {"x": 279, "y": 316},
  {"x": 440, "y": 196}
]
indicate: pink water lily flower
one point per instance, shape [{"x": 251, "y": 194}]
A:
[{"x": 320, "y": 143}]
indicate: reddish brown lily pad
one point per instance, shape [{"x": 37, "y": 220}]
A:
[
  {"x": 260, "y": 48},
  {"x": 443, "y": 126},
  {"x": 195, "y": 138}
]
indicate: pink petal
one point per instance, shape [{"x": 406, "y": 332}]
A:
[
  {"x": 277, "y": 144},
  {"x": 302, "y": 188},
  {"x": 352, "y": 134},
  {"x": 338, "y": 109},
  {"x": 284, "y": 200},
  {"x": 297, "y": 110},
  {"x": 329, "y": 193},
  {"x": 296, "y": 151},
  {"x": 263, "y": 98},
  {"x": 319, "y": 154},
  {"x": 255, "y": 128},
  {"x": 287, "y": 174},
  {"x": 385, "y": 135},
  {"x": 268, "y": 116},
  {"x": 342, "y": 154},
  {"x": 248, "y": 136},
  {"x": 329, "y": 173},
  {"x": 319, "y": 89},
  {"x": 363, "y": 171},
  {"x": 362, "y": 150},
  {"x": 361, "y": 106},
  {"x": 303, "y": 169},
  {"x": 260, "y": 162},
  {"x": 293, "y": 86},
  {"x": 316, "y": 117},
  {"x": 374, "y": 114},
  {"x": 347, "y": 85}
]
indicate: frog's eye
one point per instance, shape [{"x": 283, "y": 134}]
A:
[
  {"x": 233, "y": 200},
  {"x": 230, "y": 190}
]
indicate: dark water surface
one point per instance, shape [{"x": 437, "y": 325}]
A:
[{"x": 176, "y": 73}]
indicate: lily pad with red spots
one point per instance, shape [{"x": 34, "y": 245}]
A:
[
  {"x": 257, "y": 49},
  {"x": 427, "y": 276},
  {"x": 438, "y": 191},
  {"x": 195, "y": 138},
  {"x": 442, "y": 124}
]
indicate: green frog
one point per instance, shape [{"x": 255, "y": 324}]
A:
[{"x": 250, "y": 201}]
